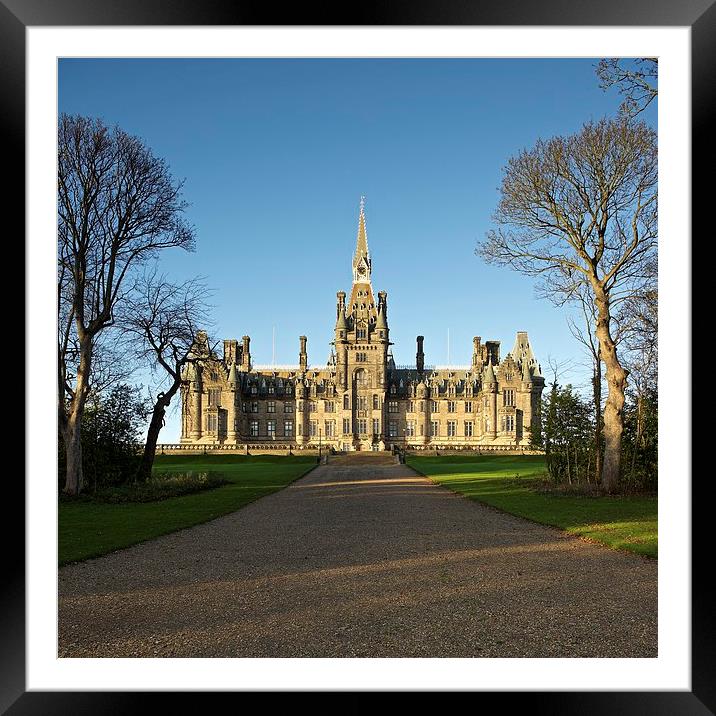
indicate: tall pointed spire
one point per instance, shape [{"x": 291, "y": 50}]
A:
[{"x": 361, "y": 259}]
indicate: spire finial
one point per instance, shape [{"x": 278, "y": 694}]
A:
[{"x": 362, "y": 203}]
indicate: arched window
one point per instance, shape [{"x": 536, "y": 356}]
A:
[{"x": 361, "y": 378}]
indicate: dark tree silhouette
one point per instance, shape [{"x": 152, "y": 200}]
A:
[
  {"x": 118, "y": 205},
  {"x": 165, "y": 321}
]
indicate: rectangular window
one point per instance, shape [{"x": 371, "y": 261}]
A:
[
  {"x": 346, "y": 426},
  {"x": 245, "y": 407},
  {"x": 376, "y": 426},
  {"x": 376, "y": 402},
  {"x": 313, "y": 428},
  {"x": 311, "y": 406},
  {"x": 271, "y": 389},
  {"x": 510, "y": 423},
  {"x": 214, "y": 396},
  {"x": 288, "y": 428},
  {"x": 288, "y": 407},
  {"x": 468, "y": 406},
  {"x": 362, "y": 426},
  {"x": 362, "y": 402},
  {"x": 451, "y": 428},
  {"x": 508, "y": 398},
  {"x": 254, "y": 430},
  {"x": 468, "y": 428},
  {"x": 451, "y": 406},
  {"x": 346, "y": 402},
  {"x": 393, "y": 428},
  {"x": 211, "y": 423},
  {"x": 330, "y": 428},
  {"x": 434, "y": 408},
  {"x": 271, "y": 406},
  {"x": 271, "y": 428},
  {"x": 329, "y": 406},
  {"x": 254, "y": 407},
  {"x": 435, "y": 428},
  {"x": 392, "y": 406},
  {"x": 411, "y": 406},
  {"x": 410, "y": 429},
  {"x": 421, "y": 406}
]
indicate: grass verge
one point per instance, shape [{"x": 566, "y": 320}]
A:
[
  {"x": 509, "y": 482},
  {"x": 90, "y": 529}
]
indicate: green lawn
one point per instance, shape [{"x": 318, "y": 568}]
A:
[
  {"x": 88, "y": 529},
  {"x": 628, "y": 523}
]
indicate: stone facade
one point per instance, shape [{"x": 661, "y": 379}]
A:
[{"x": 361, "y": 400}]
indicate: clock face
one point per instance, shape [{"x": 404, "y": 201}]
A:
[{"x": 361, "y": 270}]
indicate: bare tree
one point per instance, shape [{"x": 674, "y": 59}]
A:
[
  {"x": 580, "y": 212},
  {"x": 117, "y": 206},
  {"x": 635, "y": 79},
  {"x": 166, "y": 320}
]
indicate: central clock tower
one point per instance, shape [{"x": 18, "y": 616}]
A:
[{"x": 361, "y": 349}]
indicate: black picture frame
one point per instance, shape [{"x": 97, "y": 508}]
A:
[{"x": 699, "y": 15}]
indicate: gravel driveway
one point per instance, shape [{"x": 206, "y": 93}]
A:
[{"x": 360, "y": 560}]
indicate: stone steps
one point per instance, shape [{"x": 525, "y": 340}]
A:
[{"x": 363, "y": 458}]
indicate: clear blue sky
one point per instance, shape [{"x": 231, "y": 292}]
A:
[{"x": 276, "y": 154}]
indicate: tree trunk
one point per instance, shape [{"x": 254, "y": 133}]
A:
[
  {"x": 616, "y": 383},
  {"x": 73, "y": 455},
  {"x": 72, "y": 424},
  {"x": 144, "y": 472},
  {"x": 597, "y": 389}
]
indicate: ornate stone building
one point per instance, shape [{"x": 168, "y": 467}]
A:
[{"x": 361, "y": 400}]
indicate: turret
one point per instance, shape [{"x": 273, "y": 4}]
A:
[
  {"x": 303, "y": 356},
  {"x": 489, "y": 379},
  {"x": 490, "y": 386},
  {"x": 476, "y": 351},
  {"x": 381, "y": 323},
  {"x": 341, "y": 323},
  {"x": 196, "y": 402},
  {"x": 420, "y": 356},
  {"x": 245, "y": 354}
]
